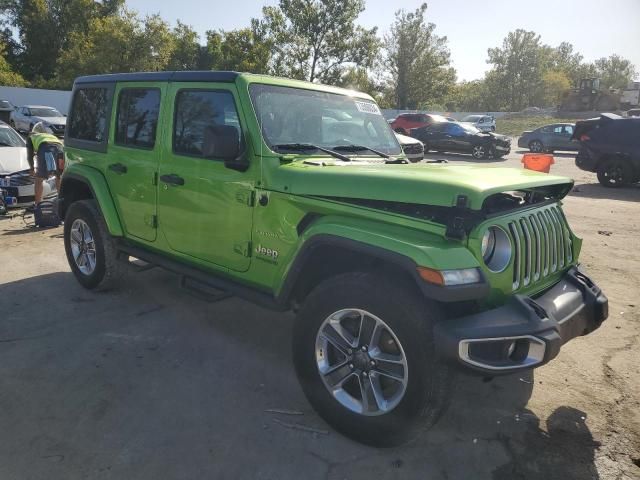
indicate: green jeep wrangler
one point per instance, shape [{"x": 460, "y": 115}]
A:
[{"x": 297, "y": 196}]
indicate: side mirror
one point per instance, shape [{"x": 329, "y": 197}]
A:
[{"x": 223, "y": 142}]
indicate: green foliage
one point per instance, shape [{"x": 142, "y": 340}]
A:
[
  {"x": 117, "y": 43},
  {"x": 615, "y": 71},
  {"x": 418, "y": 60},
  {"x": 317, "y": 40},
  {"x": 9, "y": 78},
  {"x": 242, "y": 50},
  {"x": 556, "y": 85}
]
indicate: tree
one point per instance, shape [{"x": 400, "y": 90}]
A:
[
  {"x": 317, "y": 40},
  {"x": 120, "y": 43},
  {"x": 243, "y": 50},
  {"x": 418, "y": 60},
  {"x": 187, "y": 52},
  {"x": 518, "y": 68},
  {"x": 9, "y": 78},
  {"x": 565, "y": 60},
  {"x": 556, "y": 84},
  {"x": 45, "y": 28},
  {"x": 615, "y": 71}
]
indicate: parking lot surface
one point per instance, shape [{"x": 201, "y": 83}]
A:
[{"x": 148, "y": 382}]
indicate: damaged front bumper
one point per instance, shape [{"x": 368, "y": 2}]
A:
[{"x": 526, "y": 332}]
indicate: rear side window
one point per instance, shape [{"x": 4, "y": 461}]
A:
[
  {"x": 197, "y": 112},
  {"x": 89, "y": 115},
  {"x": 137, "y": 117}
]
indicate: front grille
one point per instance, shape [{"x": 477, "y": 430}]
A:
[
  {"x": 542, "y": 245},
  {"x": 20, "y": 179},
  {"x": 413, "y": 148}
]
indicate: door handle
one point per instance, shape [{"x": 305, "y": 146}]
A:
[
  {"x": 172, "y": 179},
  {"x": 118, "y": 168}
]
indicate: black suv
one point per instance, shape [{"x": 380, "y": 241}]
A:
[
  {"x": 462, "y": 138},
  {"x": 610, "y": 146}
]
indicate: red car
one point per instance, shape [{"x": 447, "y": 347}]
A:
[{"x": 404, "y": 122}]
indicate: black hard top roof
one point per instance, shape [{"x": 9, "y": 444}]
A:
[{"x": 193, "y": 76}]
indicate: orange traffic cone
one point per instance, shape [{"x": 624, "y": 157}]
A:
[{"x": 540, "y": 162}]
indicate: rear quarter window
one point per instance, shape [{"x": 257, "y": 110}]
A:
[{"x": 88, "y": 124}]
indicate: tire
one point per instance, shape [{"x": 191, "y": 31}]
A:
[
  {"x": 493, "y": 129},
  {"x": 536, "y": 146},
  {"x": 615, "y": 173},
  {"x": 411, "y": 320},
  {"x": 107, "y": 269},
  {"x": 426, "y": 147},
  {"x": 480, "y": 152}
]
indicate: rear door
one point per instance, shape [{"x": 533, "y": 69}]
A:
[
  {"x": 205, "y": 209},
  {"x": 567, "y": 134},
  {"x": 134, "y": 156}
]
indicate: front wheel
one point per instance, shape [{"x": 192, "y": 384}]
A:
[
  {"x": 480, "y": 152},
  {"x": 536, "y": 146},
  {"x": 615, "y": 173},
  {"x": 364, "y": 354},
  {"x": 91, "y": 251}
]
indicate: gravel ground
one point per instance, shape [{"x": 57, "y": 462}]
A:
[{"x": 146, "y": 382}]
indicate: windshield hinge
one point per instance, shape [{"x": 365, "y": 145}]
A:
[
  {"x": 246, "y": 197},
  {"x": 154, "y": 178}
]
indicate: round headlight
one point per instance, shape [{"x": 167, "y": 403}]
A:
[{"x": 496, "y": 249}]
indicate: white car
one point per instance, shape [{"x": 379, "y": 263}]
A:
[
  {"x": 484, "y": 123},
  {"x": 412, "y": 148},
  {"x": 24, "y": 118},
  {"x": 16, "y": 183}
]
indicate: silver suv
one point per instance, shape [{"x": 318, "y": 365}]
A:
[
  {"x": 24, "y": 118},
  {"x": 485, "y": 123}
]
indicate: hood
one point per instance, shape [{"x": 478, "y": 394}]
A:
[
  {"x": 52, "y": 120},
  {"x": 405, "y": 140},
  {"x": 426, "y": 184},
  {"x": 13, "y": 159}
]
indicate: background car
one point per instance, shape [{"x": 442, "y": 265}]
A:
[
  {"x": 404, "y": 122},
  {"x": 16, "y": 181},
  {"x": 24, "y": 118},
  {"x": 6, "y": 107},
  {"x": 462, "y": 138},
  {"x": 634, "y": 112},
  {"x": 412, "y": 148},
  {"x": 485, "y": 123},
  {"x": 552, "y": 137},
  {"x": 610, "y": 146}
]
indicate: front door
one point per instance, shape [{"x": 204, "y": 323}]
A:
[
  {"x": 205, "y": 209},
  {"x": 134, "y": 154}
]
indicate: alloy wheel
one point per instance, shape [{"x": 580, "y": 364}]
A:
[
  {"x": 361, "y": 362},
  {"x": 614, "y": 174},
  {"x": 83, "y": 246},
  {"x": 536, "y": 146},
  {"x": 478, "y": 151}
]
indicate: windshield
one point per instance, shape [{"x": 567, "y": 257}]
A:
[
  {"x": 471, "y": 118},
  {"x": 296, "y": 116},
  {"x": 9, "y": 138},
  {"x": 45, "y": 112}
]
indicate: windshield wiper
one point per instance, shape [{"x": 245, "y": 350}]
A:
[
  {"x": 308, "y": 146},
  {"x": 360, "y": 148}
]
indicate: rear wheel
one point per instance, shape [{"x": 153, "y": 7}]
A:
[
  {"x": 91, "y": 250},
  {"x": 615, "y": 173},
  {"x": 364, "y": 354},
  {"x": 536, "y": 146}
]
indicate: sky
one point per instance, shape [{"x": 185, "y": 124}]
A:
[{"x": 596, "y": 28}]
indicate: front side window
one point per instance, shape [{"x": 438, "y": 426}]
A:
[
  {"x": 137, "y": 118},
  {"x": 88, "y": 119},
  {"x": 199, "y": 117},
  {"x": 45, "y": 112},
  {"x": 290, "y": 115}
]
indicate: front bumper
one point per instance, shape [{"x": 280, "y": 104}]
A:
[{"x": 526, "y": 332}]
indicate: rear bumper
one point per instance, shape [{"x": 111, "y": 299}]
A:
[{"x": 527, "y": 332}]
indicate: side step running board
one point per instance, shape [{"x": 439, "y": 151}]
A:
[
  {"x": 203, "y": 291},
  {"x": 208, "y": 279}
]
